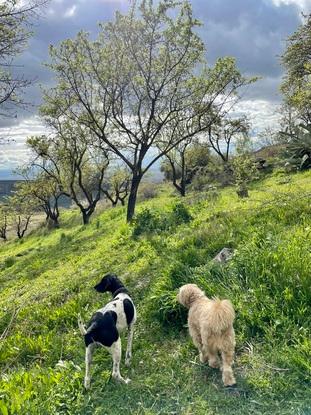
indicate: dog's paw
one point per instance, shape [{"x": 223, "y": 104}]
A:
[
  {"x": 202, "y": 358},
  {"x": 120, "y": 379},
  {"x": 214, "y": 364}
]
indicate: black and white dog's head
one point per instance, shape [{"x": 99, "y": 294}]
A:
[{"x": 110, "y": 283}]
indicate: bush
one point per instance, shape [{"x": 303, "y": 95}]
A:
[
  {"x": 163, "y": 303},
  {"x": 9, "y": 262},
  {"x": 180, "y": 214},
  {"x": 147, "y": 191},
  {"x": 147, "y": 220}
]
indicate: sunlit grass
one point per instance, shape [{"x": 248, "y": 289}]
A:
[{"x": 47, "y": 279}]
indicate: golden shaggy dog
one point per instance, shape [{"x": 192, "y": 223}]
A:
[{"x": 211, "y": 328}]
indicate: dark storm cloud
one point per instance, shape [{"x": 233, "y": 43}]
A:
[
  {"x": 60, "y": 20},
  {"x": 254, "y": 31},
  {"x": 251, "y": 30}
]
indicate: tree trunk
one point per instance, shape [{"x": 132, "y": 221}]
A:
[
  {"x": 183, "y": 176},
  {"x": 86, "y": 217},
  {"x": 132, "y": 198},
  {"x": 242, "y": 191},
  {"x": 52, "y": 222}
]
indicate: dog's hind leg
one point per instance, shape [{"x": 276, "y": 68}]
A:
[
  {"x": 88, "y": 360},
  {"x": 128, "y": 354},
  {"x": 227, "y": 361},
  {"x": 210, "y": 354},
  {"x": 197, "y": 340},
  {"x": 116, "y": 352}
]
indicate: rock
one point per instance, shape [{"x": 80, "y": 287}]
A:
[{"x": 224, "y": 255}]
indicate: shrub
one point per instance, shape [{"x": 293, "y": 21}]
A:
[
  {"x": 9, "y": 262},
  {"x": 147, "y": 191},
  {"x": 180, "y": 214},
  {"x": 163, "y": 303},
  {"x": 148, "y": 220}
]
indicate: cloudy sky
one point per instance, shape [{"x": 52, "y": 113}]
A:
[{"x": 254, "y": 31}]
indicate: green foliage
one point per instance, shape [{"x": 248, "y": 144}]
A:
[
  {"x": 298, "y": 148},
  {"x": 180, "y": 214},
  {"x": 296, "y": 60},
  {"x": 148, "y": 221},
  {"x": 157, "y": 47},
  {"x": 243, "y": 166}
]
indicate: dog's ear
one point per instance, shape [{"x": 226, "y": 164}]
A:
[{"x": 104, "y": 284}]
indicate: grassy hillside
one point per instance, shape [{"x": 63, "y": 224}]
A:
[{"x": 47, "y": 279}]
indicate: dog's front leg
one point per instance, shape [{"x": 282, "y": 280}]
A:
[
  {"x": 116, "y": 352},
  {"x": 128, "y": 354},
  {"x": 88, "y": 361}
]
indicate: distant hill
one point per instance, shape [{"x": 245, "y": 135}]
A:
[
  {"x": 6, "y": 187},
  {"x": 271, "y": 151}
]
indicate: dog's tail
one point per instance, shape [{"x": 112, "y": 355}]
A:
[
  {"x": 220, "y": 316},
  {"x": 81, "y": 326}
]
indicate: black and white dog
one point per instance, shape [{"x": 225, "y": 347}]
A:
[{"x": 106, "y": 324}]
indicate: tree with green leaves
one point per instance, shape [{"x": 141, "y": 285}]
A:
[
  {"x": 70, "y": 158},
  {"x": 134, "y": 84},
  {"x": 45, "y": 192},
  {"x": 243, "y": 166},
  {"x": 4, "y": 221},
  {"x": 184, "y": 162},
  {"x": 223, "y": 131},
  {"x": 116, "y": 187},
  {"x": 15, "y": 30},
  {"x": 296, "y": 60}
]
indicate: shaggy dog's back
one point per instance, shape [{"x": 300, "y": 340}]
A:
[{"x": 219, "y": 315}]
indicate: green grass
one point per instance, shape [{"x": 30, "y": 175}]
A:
[{"x": 47, "y": 278}]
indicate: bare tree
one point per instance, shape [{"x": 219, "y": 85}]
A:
[
  {"x": 187, "y": 160},
  {"x": 21, "y": 210}
]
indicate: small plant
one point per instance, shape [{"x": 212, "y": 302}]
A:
[
  {"x": 148, "y": 191},
  {"x": 145, "y": 221},
  {"x": 9, "y": 262},
  {"x": 180, "y": 214},
  {"x": 151, "y": 221},
  {"x": 244, "y": 170}
]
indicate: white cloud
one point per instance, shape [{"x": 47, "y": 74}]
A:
[
  {"x": 304, "y": 5},
  {"x": 261, "y": 113},
  {"x": 15, "y": 153},
  {"x": 71, "y": 11}
]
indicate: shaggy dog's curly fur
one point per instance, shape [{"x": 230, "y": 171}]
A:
[{"x": 211, "y": 328}]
